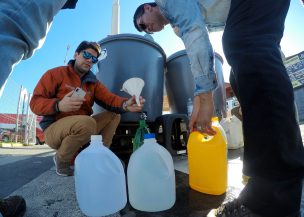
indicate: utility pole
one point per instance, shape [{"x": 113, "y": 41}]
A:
[
  {"x": 115, "y": 18},
  {"x": 17, "y": 115},
  {"x": 27, "y": 128},
  {"x": 66, "y": 54}
]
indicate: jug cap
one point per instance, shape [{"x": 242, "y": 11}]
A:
[
  {"x": 96, "y": 137},
  {"x": 215, "y": 118},
  {"x": 149, "y": 136}
]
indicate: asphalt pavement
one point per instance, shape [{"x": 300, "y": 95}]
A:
[{"x": 29, "y": 171}]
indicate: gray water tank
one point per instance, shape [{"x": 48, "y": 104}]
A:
[
  {"x": 180, "y": 85},
  {"x": 130, "y": 55}
]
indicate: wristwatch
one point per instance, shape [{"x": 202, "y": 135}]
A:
[{"x": 125, "y": 106}]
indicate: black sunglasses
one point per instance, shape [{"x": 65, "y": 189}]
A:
[
  {"x": 143, "y": 26},
  {"x": 87, "y": 55}
]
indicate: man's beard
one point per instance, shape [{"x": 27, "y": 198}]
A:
[{"x": 80, "y": 70}]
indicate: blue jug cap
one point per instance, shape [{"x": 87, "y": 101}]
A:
[{"x": 149, "y": 136}]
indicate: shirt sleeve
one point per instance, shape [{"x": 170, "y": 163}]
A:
[
  {"x": 187, "y": 17},
  {"x": 108, "y": 100},
  {"x": 44, "y": 97}
]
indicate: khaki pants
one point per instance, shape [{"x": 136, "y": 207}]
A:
[{"x": 68, "y": 134}]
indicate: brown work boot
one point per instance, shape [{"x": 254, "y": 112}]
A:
[
  {"x": 236, "y": 209},
  {"x": 62, "y": 168},
  {"x": 13, "y": 206}
]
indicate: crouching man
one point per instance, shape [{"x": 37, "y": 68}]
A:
[{"x": 64, "y": 96}]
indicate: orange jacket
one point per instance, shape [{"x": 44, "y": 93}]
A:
[{"x": 57, "y": 82}]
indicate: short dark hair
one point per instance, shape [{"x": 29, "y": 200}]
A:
[
  {"x": 139, "y": 12},
  {"x": 89, "y": 44}
]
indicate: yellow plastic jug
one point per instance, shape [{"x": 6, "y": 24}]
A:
[{"x": 207, "y": 162}]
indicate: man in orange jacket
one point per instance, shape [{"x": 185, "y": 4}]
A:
[{"x": 64, "y": 96}]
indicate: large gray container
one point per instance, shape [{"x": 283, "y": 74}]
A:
[
  {"x": 128, "y": 56},
  {"x": 180, "y": 85}
]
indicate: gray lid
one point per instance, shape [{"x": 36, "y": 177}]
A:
[
  {"x": 134, "y": 37},
  {"x": 183, "y": 52}
]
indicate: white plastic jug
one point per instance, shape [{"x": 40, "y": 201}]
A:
[
  {"x": 151, "y": 177},
  {"x": 100, "y": 181},
  {"x": 234, "y": 132}
]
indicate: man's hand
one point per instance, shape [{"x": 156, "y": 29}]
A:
[
  {"x": 70, "y": 103},
  {"x": 202, "y": 113},
  {"x": 131, "y": 105}
]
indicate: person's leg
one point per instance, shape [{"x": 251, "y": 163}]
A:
[
  {"x": 67, "y": 135},
  {"x": 273, "y": 151},
  {"x": 23, "y": 25},
  {"x": 106, "y": 124}
]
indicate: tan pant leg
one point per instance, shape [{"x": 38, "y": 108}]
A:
[
  {"x": 106, "y": 124},
  {"x": 68, "y": 134}
]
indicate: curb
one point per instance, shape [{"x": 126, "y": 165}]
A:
[{"x": 11, "y": 145}]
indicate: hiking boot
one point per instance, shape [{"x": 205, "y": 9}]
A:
[
  {"x": 13, "y": 206},
  {"x": 236, "y": 209},
  {"x": 62, "y": 168}
]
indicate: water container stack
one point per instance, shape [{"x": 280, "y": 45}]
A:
[
  {"x": 207, "y": 159},
  {"x": 151, "y": 177},
  {"x": 99, "y": 180}
]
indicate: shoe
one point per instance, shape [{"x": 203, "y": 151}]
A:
[
  {"x": 13, "y": 206},
  {"x": 62, "y": 168},
  {"x": 236, "y": 209}
]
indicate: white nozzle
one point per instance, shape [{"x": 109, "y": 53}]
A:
[{"x": 133, "y": 86}]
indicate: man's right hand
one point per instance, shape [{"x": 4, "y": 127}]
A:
[
  {"x": 70, "y": 103},
  {"x": 202, "y": 113}
]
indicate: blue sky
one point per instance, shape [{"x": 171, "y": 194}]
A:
[{"x": 91, "y": 20}]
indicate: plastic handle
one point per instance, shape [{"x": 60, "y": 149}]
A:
[{"x": 207, "y": 138}]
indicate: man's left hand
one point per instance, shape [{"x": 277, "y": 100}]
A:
[{"x": 132, "y": 106}]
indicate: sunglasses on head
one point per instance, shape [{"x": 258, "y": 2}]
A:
[{"x": 87, "y": 55}]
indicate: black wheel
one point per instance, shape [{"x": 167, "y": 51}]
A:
[{"x": 5, "y": 139}]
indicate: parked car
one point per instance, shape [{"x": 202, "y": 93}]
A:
[{"x": 6, "y": 135}]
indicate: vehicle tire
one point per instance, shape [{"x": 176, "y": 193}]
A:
[{"x": 5, "y": 139}]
